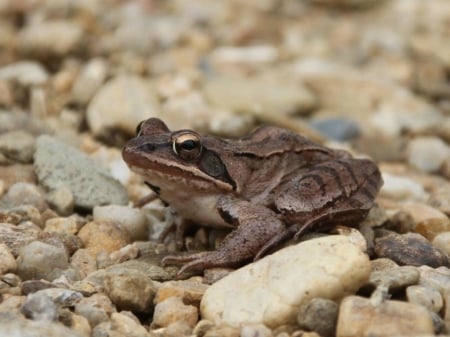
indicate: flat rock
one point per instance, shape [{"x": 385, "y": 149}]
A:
[
  {"x": 121, "y": 104},
  {"x": 358, "y": 317},
  {"x": 410, "y": 249},
  {"x": 271, "y": 290},
  {"x": 59, "y": 165}
]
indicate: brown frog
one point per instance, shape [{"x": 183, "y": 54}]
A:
[{"x": 269, "y": 186}]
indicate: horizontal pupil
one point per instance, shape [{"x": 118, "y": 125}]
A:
[{"x": 189, "y": 145}]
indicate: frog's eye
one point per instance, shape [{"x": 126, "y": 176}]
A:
[
  {"x": 139, "y": 128},
  {"x": 187, "y": 146}
]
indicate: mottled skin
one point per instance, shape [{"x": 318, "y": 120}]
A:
[{"x": 269, "y": 186}]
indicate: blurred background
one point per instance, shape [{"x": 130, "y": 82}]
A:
[{"x": 371, "y": 73}]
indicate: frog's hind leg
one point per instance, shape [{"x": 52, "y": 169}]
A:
[{"x": 255, "y": 226}]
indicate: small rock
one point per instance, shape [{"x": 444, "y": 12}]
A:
[
  {"x": 359, "y": 317},
  {"x": 81, "y": 325},
  {"x": 130, "y": 289},
  {"x": 68, "y": 225},
  {"x": 25, "y": 73},
  {"x": 174, "y": 310},
  {"x": 11, "y": 305},
  {"x": 40, "y": 260},
  {"x": 40, "y": 307},
  {"x": 103, "y": 236},
  {"x": 83, "y": 262},
  {"x": 442, "y": 242},
  {"x": 131, "y": 219},
  {"x": 410, "y": 249},
  {"x": 96, "y": 308},
  {"x": 249, "y": 55},
  {"x": 23, "y": 327},
  {"x": 59, "y": 165},
  {"x": 14, "y": 174},
  {"x": 431, "y": 227},
  {"x": 21, "y": 194},
  {"x": 319, "y": 315},
  {"x": 50, "y": 38},
  {"x": 124, "y": 325},
  {"x": 121, "y": 104},
  {"x": 382, "y": 264},
  {"x": 422, "y": 212},
  {"x": 62, "y": 200},
  {"x": 17, "y": 146},
  {"x": 126, "y": 253},
  {"x": 71, "y": 243},
  {"x": 270, "y": 290},
  {"x": 7, "y": 261},
  {"x": 339, "y": 129},
  {"x": 427, "y": 153},
  {"x": 32, "y": 286},
  {"x": 89, "y": 81},
  {"x": 435, "y": 278},
  {"x": 440, "y": 199},
  {"x": 396, "y": 278},
  {"x": 190, "y": 291},
  {"x": 152, "y": 270},
  {"x": 402, "y": 188},
  {"x": 16, "y": 237},
  {"x": 258, "y": 95},
  {"x": 427, "y": 297}
]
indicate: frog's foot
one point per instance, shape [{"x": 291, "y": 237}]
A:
[
  {"x": 178, "y": 227},
  {"x": 198, "y": 261}
]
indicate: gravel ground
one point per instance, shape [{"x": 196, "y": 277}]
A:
[{"x": 76, "y": 77}]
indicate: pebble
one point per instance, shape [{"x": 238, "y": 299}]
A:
[
  {"x": 50, "y": 39},
  {"x": 32, "y": 286},
  {"x": 64, "y": 225},
  {"x": 402, "y": 188},
  {"x": 133, "y": 220},
  {"x": 440, "y": 199},
  {"x": 432, "y": 227},
  {"x": 269, "y": 291},
  {"x": 427, "y": 154},
  {"x": 23, "y": 194},
  {"x": 396, "y": 278},
  {"x": 61, "y": 200},
  {"x": 442, "y": 242},
  {"x": 125, "y": 324},
  {"x": 319, "y": 315},
  {"x": 80, "y": 325},
  {"x": 258, "y": 95},
  {"x": 121, "y": 104},
  {"x": 427, "y": 297},
  {"x": 83, "y": 261},
  {"x": 58, "y": 165},
  {"x": 18, "y": 146},
  {"x": 18, "y": 236},
  {"x": 173, "y": 310},
  {"x": 190, "y": 291},
  {"x": 38, "y": 260},
  {"x": 410, "y": 249},
  {"x": 96, "y": 309},
  {"x": 7, "y": 261},
  {"x": 359, "y": 317},
  {"x": 13, "y": 174},
  {"x": 340, "y": 129},
  {"x": 103, "y": 236},
  {"x": 23, "y": 327},
  {"x": 435, "y": 278},
  {"x": 130, "y": 289},
  {"x": 25, "y": 73},
  {"x": 89, "y": 81},
  {"x": 39, "y": 307}
]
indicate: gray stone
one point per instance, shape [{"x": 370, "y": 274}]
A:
[
  {"x": 21, "y": 194},
  {"x": 40, "y": 307},
  {"x": 15, "y": 237},
  {"x": 40, "y": 260},
  {"x": 96, "y": 308},
  {"x": 59, "y": 165},
  {"x": 319, "y": 315},
  {"x": 340, "y": 129},
  {"x": 121, "y": 104}
]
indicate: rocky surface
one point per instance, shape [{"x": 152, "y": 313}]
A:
[{"x": 76, "y": 77}]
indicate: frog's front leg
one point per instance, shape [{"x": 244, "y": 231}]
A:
[{"x": 255, "y": 225}]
